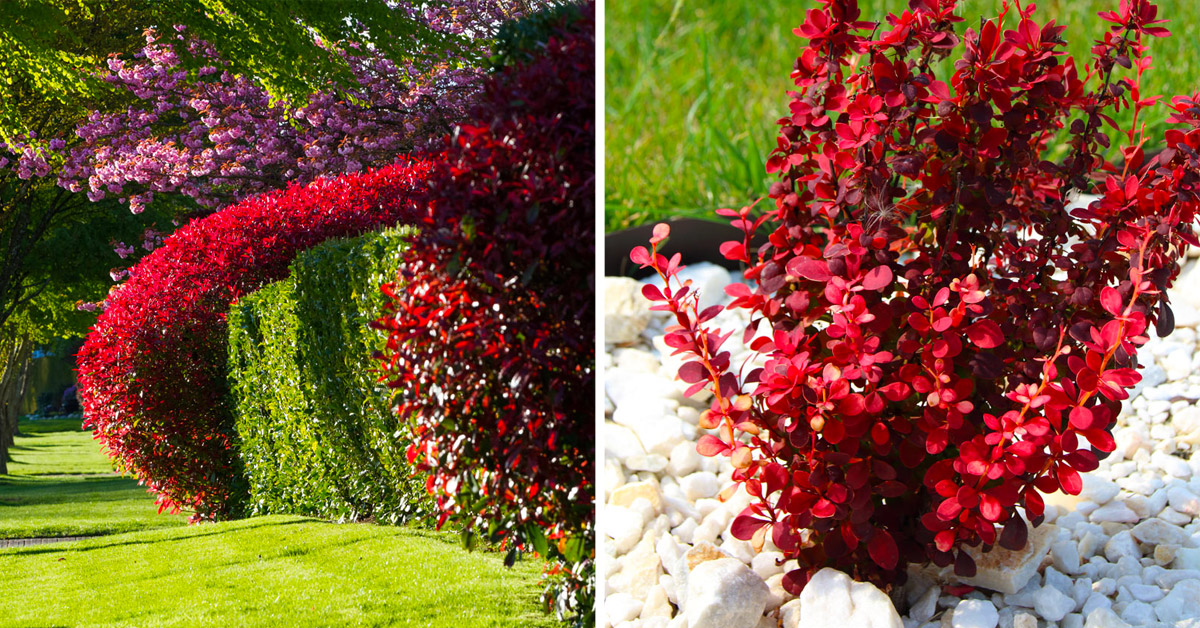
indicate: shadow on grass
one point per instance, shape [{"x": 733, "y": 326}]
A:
[
  {"x": 46, "y": 426},
  {"x": 42, "y": 490},
  {"x": 192, "y": 532}
]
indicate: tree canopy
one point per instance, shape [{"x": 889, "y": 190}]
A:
[{"x": 291, "y": 47}]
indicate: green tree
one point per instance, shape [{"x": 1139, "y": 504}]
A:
[
  {"x": 292, "y": 47},
  {"x": 68, "y": 265}
]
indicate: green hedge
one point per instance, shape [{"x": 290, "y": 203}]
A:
[{"x": 317, "y": 435}]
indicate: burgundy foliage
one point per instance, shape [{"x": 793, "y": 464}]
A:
[
  {"x": 948, "y": 341},
  {"x": 152, "y": 373},
  {"x": 491, "y": 348}
]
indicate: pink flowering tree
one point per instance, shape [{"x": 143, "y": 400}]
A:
[{"x": 202, "y": 135}]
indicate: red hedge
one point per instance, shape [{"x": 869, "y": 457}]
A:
[
  {"x": 152, "y": 373},
  {"x": 492, "y": 343}
]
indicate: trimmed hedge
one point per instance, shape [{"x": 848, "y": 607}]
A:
[
  {"x": 152, "y": 374},
  {"x": 317, "y": 435}
]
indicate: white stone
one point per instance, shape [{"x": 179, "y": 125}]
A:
[
  {"x": 648, "y": 490},
  {"x": 725, "y": 593},
  {"x": 975, "y": 614},
  {"x": 1053, "y": 578},
  {"x": 1080, "y": 591},
  {"x": 1152, "y": 376},
  {"x": 1098, "y": 489},
  {"x": 766, "y": 564},
  {"x": 1088, "y": 542},
  {"x": 789, "y": 614},
  {"x": 1187, "y": 558},
  {"x": 653, "y": 463},
  {"x": 1094, "y": 601},
  {"x": 1138, "y": 613},
  {"x": 925, "y": 606},
  {"x": 640, "y": 570},
  {"x": 1172, "y": 465},
  {"x": 832, "y": 599},
  {"x": 621, "y": 607},
  {"x": 684, "y": 460},
  {"x": 620, "y": 442},
  {"x": 1183, "y": 500},
  {"x": 1023, "y": 620},
  {"x": 1158, "y": 532},
  {"x": 624, "y": 526},
  {"x": 1052, "y": 604},
  {"x": 1145, "y": 592},
  {"x": 1074, "y": 620},
  {"x": 1121, "y": 545},
  {"x": 1177, "y": 364},
  {"x": 1114, "y": 511},
  {"x": 1183, "y": 602},
  {"x": 1174, "y": 517},
  {"x": 659, "y": 435},
  {"x": 1171, "y": 577},
  {"x": 1140, "y": 483},
  {"x": 631, "y": 388},
  {"x": 1187, "y": 419},
  {"x": 699, "y": 485},
  {"x": 635, "y": 359},
  {"x": 1066, "y": 556},
  {"x": 777, "y": 593},
  {"x": 1008, "y": 571},
  {"x": 656, "y": 604},
  {"x": 626, "y": 311},
  {"x": 1105, "y": 618}
]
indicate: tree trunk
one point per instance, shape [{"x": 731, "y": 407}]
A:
[{"x": 15, "y": 371}]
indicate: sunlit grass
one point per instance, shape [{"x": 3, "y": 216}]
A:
[
  {"x": 268, "y": 571},
  {"x": 60, "y": 483}
]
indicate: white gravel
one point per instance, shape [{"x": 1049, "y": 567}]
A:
[{"x": 1126, "y": 552}]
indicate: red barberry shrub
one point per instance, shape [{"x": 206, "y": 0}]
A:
[
  {"x": 491, "y": 350},
  {"x": 152, "y": 373},
  {"x": 944, "y": 338}
]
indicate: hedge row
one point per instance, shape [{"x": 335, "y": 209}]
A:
[
  {"x": 152, "y": 374},
  {"x": 317, "y": 435}
]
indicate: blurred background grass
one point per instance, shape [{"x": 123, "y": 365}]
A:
[{"x": 693, "y": 90}]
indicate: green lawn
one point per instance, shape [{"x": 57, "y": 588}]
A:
[
  {"x": 267, "y": 571},
  {"x": 693, "y": 90},
  {"x": 61, "y": 484}
]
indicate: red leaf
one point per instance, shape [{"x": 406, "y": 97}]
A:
[
  {"x": 990, "y": 507},
  {"x": 877, "y": 278},
  {"x": 1070, "y": 480},
  {"x": 811, "y": 269},
  {"x": 944, "y": 540},
  {"x": 745, "y": 526},
  {"x": 710, "y": 445},
  {"x": 1110, "y": 299},
  {"x": 883, "y": 550},
  {"x": 652, "y": 293},
  {"x": 1083, "y": 418},
  {"x": 661, "y": 231},
  {"x": 693, "y": 372},
  {"x": 985, "y": 334}
]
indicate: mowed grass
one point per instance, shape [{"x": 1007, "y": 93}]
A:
[
  {"x": 693, "y": 90},
  {"x": 60, "y": 483},
  {"x": 267, "y": 571}
]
